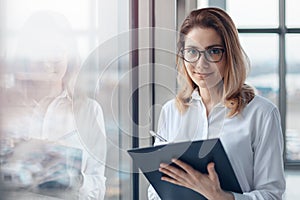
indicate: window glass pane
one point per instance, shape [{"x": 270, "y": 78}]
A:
[
  {"x": 262, "y": 50},
  {"x": 57, "y": 87},
  {"x": 292, "y": 13},
  {"x": 254, "y": 14},
  {"x": 77, "y": 11},
  {"x": 202, "y": 3},
  {"x": 293, "y": 98}
]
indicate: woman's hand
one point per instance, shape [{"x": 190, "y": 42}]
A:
[{"x": 206, "y": 184}]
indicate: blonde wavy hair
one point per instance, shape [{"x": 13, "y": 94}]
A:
[{"x": 235, "y": 93}]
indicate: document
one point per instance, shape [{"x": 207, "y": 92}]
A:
[
  {"x": 197, "y": 154},
  {"x": 39, "y": 164}
]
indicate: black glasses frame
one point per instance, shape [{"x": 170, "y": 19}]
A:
[{"x": 205, "y": 52}]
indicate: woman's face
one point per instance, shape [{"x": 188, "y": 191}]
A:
[
  {"x": 203, "y": 73},
  {"x": 51, "y": 68},
  {"x": 46, "y": 64}
]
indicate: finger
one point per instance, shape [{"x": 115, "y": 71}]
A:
[
  {"x": 184, "y": 166},
  {"x": 173, "y": 172},
  {"x": 170, "y": 174},
  {"x": 174, "y": 181},
  {"x": 212, "y": 174},
  {"x": 172, "y": 169}
]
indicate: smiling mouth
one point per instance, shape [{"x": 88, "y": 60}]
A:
[{"x": 202, "y": 75}]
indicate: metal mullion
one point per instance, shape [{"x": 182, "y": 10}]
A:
[
  {"x": 259, "y": 30},
  {"x": 152, "y": 59},
  {"x": 134, "y": 25},
  {"x": 282, "y": 71},
  {"x": 293, "y": 30}
]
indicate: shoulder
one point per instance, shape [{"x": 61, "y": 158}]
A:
[
  {"x": 93, "y": 103},
  {"x": 261, "y": 111},
  {"x": 87, "y": 105},
  {"x": 169, "y": 110},
  {"x": 261, "y": 104},
  {"x": 170, "y": 106}
]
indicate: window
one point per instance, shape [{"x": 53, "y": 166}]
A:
[
  {"x": 270, "y": 38},
  {"x": 269, "y": 33},
  {"x": 292, "y": 14},
  {"x": 262, "y": 50},
  {"x": 271, "y": 42},
  {"x": 292, "y": 99},
  {"x": 96, "y": 26},
  {"x": 258, "y": 19},
  {"x": 109, "y": 74}
]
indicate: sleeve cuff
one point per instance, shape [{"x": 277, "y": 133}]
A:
[
  {"x": 238, "y": 196},
  {"x": 152, "y": 195}
]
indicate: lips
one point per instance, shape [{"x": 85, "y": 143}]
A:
[{"x": 202, "y": 75}]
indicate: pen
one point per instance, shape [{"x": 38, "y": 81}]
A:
[
  {"x": 157, "y": 136},
  {"x": 67, "y": 135}
]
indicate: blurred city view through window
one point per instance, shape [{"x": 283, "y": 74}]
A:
[
  {"x": 263, "y": 52},
  {"x": 293, "y": 98},
  {"x": 96, "y": 26}
]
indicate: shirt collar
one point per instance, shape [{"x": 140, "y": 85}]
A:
[
  {"x": 196, "y": 96},
  {"x": 64, "y": 94}
]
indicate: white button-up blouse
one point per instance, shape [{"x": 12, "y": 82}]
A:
[
  {"x": 252, "y": 140},
  {"x": 79, "y": 125}
]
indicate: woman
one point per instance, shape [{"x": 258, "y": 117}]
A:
[
  {"x": 214, "y": 102},
  {"x": 46, "y": 107}
]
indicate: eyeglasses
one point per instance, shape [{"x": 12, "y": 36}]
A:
[{"x": 213, "y": 54}]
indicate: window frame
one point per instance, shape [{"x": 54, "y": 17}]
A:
[{"x": 282, "y": 31}]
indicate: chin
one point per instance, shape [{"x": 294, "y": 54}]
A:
[{"x": 208, "y": 84}]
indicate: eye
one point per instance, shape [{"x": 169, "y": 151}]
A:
[
  {"x": 191, "y": 51},
  {"x": 214, "y": 51}
]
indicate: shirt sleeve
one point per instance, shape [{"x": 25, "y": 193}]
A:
[
  {"x": 93, "y": 187},
  {"x": 152, "y": 195},
  {"x": 268, "y": 179},
  {"x": 93, "y": 136}
]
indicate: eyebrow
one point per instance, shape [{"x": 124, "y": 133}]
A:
[{"x": 208, "y": 47}]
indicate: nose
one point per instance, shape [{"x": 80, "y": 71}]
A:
[{"x": 201, "y": 62}]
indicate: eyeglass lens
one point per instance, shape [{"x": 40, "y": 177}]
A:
[{"x": 212, "y": 55}]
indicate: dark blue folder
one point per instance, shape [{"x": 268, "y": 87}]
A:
[{"x": 197, "y": 154}]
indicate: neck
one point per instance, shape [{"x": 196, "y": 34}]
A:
[{"x": 211, "y": 96}]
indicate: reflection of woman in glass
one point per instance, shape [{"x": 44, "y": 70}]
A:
[
  {"x": 47, "y": 65},
  {"x": 215, "y": 102}
]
